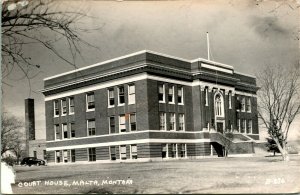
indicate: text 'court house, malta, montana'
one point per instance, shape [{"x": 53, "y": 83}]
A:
[{"x": 149, "y": 106}]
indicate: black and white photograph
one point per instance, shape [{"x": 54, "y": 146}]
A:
[{"x": 150, "y": 97}]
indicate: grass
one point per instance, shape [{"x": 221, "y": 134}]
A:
[{"x": 231, "y": 175}]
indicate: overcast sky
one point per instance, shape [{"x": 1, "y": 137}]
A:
[{"x": 246, "y": 34}]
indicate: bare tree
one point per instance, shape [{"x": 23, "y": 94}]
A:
[
  {"x": 12, "y": 138},
  {"x": 38, "y": 22},
  {"x": 278, "y": 102}
]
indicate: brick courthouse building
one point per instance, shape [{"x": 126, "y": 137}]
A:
[{"x": 149, "y": 106}]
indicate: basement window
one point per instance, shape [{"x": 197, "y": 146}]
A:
[{"x": 133, "y": 151}]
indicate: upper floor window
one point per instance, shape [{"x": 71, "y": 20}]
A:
[
  {"x": 112, "y": 125},
  {"x": 229, "y": 99},
  {"x": 243, "y": 104},
  {"x": 57, "y": 132},
  {"x": 181, "y": 122},
  {"x": 56, "y": 108},
  {"x": 219, "y": 105},
  {"x": 172, "y": 122},
  {"x": 63, "y": 107},
  {"x": 171, "y": 95},
  {"x": 122, "y": 123},
  {"x": 91, "y": 127},
  {"x": 111, "y": 98},
  {"x": 90, "y": 101},
  {"x": 65, "y": 130},
  {"x": 162, "y": 121},
  {"x": 72, "y": 129},
  {"x": 121, "y": 96},
  {"x": 132, "y": 122},
  {"x": 206, "y": 96},
  {"x": 248, "y": 105},
  {"x": 161, "y": 93},
  {"x": 71, "y": 105},
  {"x": 180, "y": 95},
  {"x": 131, "y": 94}
]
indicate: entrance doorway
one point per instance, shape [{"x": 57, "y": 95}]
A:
[{"x": 220, "y": 127}]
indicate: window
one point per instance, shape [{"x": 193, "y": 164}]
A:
[
  {"x": 72, "y": 130},
  {"x": 57, "y": 131},
  {"x": 56, "y": 108},
  {"x": 123, "y": 152},
  {"x": 112, "y": 150},
  {"x": 243, "y": 126},
  {"x": 164, "y": 151},
  {"x": 238, "y": 103},
  {"x": 122, "y": 124},
  {"x": 182, "y": 148},
  {"x": 132, "y": 122},
  {"x": 174, "y": 150},
  {"x": 91, "y": 127},
  {"x": 45, "y": 154},
  {"x": 249, "y": 126},
  {"x": 248, "y": 105},
  {"x": 243, "y": 104},
  {"x": 73, "y": 158},
  {"x": 206, "y": 96},
  {"x": 180, "y": 95},
  {"x": 92, "y": 154},
  {"x": 57, "y": 156},
  {"x": 219, "y": 107},
  {"x": 238, "y": 125},
  {"x": 34, "y": 154},
  {"x": 121, "y": 99},
  {"x": 90, "y": 101},
  {"x": 171, "y": 95},
  {"x": 133, "y": 152},
  {"x": 63, "y": 107},
  {"x": 162, "y": 121},
  {"x": 161, "y": 93},
  {"x": 131, "y": 94},
  {"x": 112, "y": 124},
  {"x": 229, "y": 99},
  {"x": 71, "y": 105},
  {"x": 172, "y": 123},
  {"x": 66, "y": 159},
  {"x": 65, "y": 130},
  {"x": 181, "y": 122},
  {"x": 111, "y": 98}
]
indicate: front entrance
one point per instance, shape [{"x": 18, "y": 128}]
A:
[{"x": 219, "y": 127}]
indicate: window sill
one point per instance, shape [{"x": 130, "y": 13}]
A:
[
  {"x": 56, "y": 116},
  {"x": 181, "y": 104},
  {"x": 64, "y": 115},
  {"x": 162, "y": 102},
  {"x": 121, "y": 104},
  {"x": 131, "y": 103},
  {"x": 171, "y": 102},
  {"x": 111, "y": 106},
  {"x": 72, "y": 113},
  {"x": 90, "y": 110}
]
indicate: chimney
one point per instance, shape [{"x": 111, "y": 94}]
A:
[{"x": 29, "y": 122}]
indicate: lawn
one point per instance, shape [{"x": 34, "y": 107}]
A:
[{"x": 218, "y": 175}]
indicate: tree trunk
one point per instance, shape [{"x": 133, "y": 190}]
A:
[{"x": 283, "y": 152}]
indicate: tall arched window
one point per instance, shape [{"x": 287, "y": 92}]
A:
[{"x": 219, "y": 105}]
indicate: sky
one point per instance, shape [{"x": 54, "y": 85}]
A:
[{"x": 248, "y": 35}]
